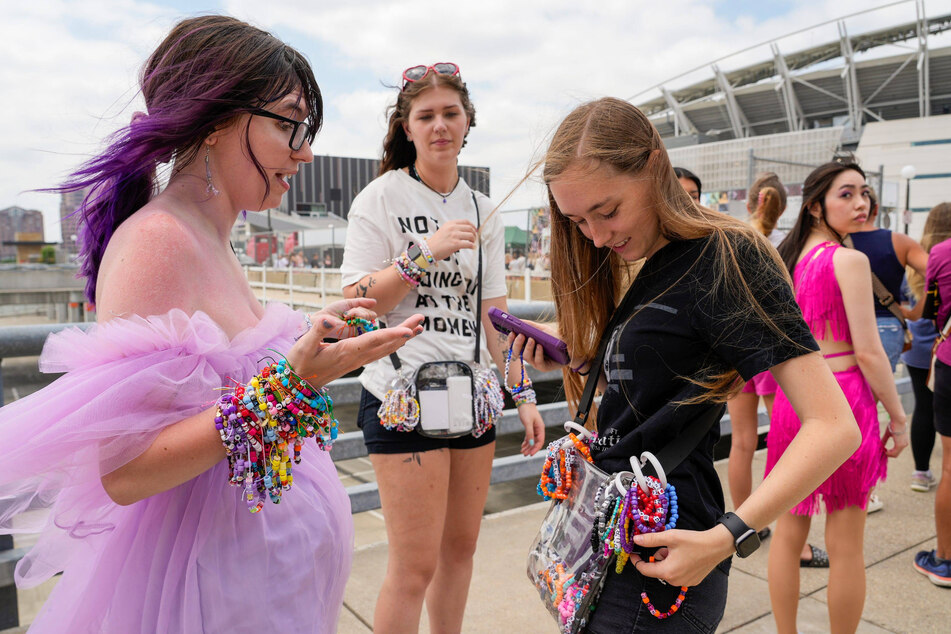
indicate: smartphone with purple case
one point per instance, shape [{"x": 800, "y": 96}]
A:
[{"x": 555, "y": 349}]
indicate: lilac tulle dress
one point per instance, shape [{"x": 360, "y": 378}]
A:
[
  {"x": 819, "y": 296},
  {"x": 191, "y": 559}
]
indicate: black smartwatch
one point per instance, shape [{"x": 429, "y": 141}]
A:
[{"x": 745, "y": 539}]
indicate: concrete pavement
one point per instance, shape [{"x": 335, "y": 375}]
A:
[{"x": 501, "y": 599}]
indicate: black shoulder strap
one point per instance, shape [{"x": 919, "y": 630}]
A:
[
  {"x": 478, "y": 304},
  {"x": 693, "y": 432}
]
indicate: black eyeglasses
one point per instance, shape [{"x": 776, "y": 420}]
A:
[{"x": 300, "y": 131}]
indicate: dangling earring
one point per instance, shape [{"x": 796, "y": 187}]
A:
[{"x": 211, "y": 189}]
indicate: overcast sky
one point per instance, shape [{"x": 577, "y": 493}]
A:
[{"x": 68, "y": 68}]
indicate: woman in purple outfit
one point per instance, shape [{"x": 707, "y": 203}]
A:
[
  {"x": 123, "y": 451},
  {"x": 936, "y": 564}
]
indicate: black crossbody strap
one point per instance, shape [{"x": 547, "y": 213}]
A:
[
  {"x": 478, "y": 305},
  {"x": 677, "y": 450}
]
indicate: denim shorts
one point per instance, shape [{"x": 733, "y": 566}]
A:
[
  {"x": 620, "y": 609},
  {"x": 892, "y": 336},
  {"x": 378, "y": 439}
]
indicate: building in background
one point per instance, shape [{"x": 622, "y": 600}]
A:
[
  {"x": 14, "y": 220},
  {"x": 312, "y": 217},
  {"x": 883, "y": 95},
  {"x": 69, "y": 222},
  {"x": 329, "y": 184}
]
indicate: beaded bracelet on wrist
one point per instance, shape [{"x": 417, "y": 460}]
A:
[
  {"x": 411, "y": 272},
  {"x": 263, "y": 426},
  {"x": 523, "y": 392},
  {"x": 426, "y": 251}
]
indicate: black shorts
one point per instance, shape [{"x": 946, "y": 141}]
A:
[
  {"x": 378, "y": 439},
  {"x": 942, "y": 398}
]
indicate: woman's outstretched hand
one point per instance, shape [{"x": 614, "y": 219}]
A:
[{"x": 320, "y": 362}]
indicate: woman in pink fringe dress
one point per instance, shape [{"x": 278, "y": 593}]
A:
[
  {"x": 833, "y": 287},
  {"x": 118, "y": 464}
]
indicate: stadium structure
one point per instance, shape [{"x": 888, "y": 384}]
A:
[{"x": 883, "y": 95}]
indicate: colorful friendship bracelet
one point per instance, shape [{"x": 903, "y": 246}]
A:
[
  {"x": 558, "y": 469},
  {"x": 360, "y": 325},
  {"x": 411, "y": 272},
  {"x": 522, "y": 392},
  {"x": 263, "y": 426},
  {"x": 427, "y": 253},
  {"x": 618, "y": 518}
]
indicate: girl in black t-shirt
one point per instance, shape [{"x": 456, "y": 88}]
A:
[{"x": 713, "y": 304}]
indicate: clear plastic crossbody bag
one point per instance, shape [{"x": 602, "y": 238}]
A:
[
  {"x": 561, "y": 561},
  {"x": 445, "y": 391}
]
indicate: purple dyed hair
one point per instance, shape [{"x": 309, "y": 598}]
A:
[{"x": 206, "y": 72}]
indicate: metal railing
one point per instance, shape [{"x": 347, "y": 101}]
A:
[{"x": 303, "y": 285}]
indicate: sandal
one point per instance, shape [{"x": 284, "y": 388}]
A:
[{"x": 820, "y": 559}]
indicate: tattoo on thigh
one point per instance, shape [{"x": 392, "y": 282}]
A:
[
  {"x": 414, "y": 458},
  {"x": 363, "y": 289}
]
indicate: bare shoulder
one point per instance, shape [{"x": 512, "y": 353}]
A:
[
  {"x": 851, "y": 266},
  {"x": 148, "y": 267},
  {"x": 903, "y": 242}
]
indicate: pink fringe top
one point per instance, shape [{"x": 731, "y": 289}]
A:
[{"x": 818, "y": 294}]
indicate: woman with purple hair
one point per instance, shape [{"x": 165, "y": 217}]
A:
[{"x": 188, "y": 384}]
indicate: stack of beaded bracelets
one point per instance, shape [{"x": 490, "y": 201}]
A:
[
  {"x": 522, "y": 392},
  {"x": 619, "y": 516},
  {"x": 412, "y": 271},
  {"x": 260, "y": 422},
  {"x": 558, "y": 469}
]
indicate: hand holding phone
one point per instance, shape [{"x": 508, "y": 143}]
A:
[{"x": 555, "y": 349}]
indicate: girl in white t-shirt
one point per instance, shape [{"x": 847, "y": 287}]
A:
[{"x": 413, "y": 245}]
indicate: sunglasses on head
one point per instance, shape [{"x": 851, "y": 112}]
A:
[{"x": 415, "y": 73}]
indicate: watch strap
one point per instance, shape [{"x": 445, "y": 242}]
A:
[{"x": 745, "y": 539}]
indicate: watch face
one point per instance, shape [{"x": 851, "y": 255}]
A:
[{"x": 747, "y": 543}]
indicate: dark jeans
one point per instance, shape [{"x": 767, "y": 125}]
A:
[
  {"x": 620, "y": 609},
  {"x": 922, "y": 420}
]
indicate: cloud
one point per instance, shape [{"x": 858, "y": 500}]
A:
[
  {"x": 71, "y": 67},
  {"x": 69, "y": 72}
]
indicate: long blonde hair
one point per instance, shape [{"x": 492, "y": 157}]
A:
[
  {"x": 587, "y": 281},
  {"x": 937, "y": 230}
]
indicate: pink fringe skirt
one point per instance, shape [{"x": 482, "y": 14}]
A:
[{"x": 851, "y": 483}]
